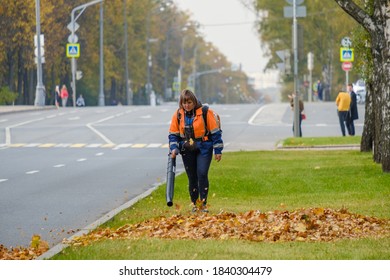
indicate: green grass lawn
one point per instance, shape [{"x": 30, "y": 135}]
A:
[
  {"x": 264, "y": 181},
  {"x": 320, "y": 141}
]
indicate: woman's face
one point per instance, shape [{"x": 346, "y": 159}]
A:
[{"x": 188, "y": 105}]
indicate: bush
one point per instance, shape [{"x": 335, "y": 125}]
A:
[{"x": 7, "y": 96}]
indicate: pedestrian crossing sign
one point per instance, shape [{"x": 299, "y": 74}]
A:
[
  {"x": 346, "y": 55},
  {"x": 73, "y": 50}
]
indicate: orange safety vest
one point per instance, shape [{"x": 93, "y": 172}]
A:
[{"x": 200, "y": 130}]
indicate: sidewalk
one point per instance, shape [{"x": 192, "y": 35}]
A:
[{"x": 9, "y": 109}]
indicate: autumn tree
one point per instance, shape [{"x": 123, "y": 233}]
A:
[
  {"x": 18, "y": 70},
  {"x": 320, "y": 32}
]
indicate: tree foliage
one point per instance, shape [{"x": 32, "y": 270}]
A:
[
  {"x": 151, "y": 19},
  {"x": 320, "y": 32}
]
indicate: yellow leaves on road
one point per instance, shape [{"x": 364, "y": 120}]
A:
[{"x": 37, "y": 248}]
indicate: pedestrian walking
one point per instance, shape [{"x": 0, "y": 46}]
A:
[
  {"x": 194, "y": 133},
  {"x": 64, "y": 95},
  {"x": 57, "y": 96},
  {"x": 301, "y": 112},
  {"x": 353, "y": 111},
  {"x": 343, "y": 101}
]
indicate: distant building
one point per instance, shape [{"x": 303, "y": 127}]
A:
[{"x": 266, "y": 85}]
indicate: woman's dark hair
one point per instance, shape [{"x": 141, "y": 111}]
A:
[{"x": 186, "y": 95}]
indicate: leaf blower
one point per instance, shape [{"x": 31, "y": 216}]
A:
[{"x": 171, "y": 170}]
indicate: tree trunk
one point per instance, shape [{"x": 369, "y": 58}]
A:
[{"x": 367, "y": 142}]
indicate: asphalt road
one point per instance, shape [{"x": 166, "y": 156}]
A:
[{"x": 61, "y": 170}]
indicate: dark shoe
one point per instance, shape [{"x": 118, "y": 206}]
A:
[{"x": 194, "y": 209}]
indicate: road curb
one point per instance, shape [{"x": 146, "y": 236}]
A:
[
  {"x": 4, "y": 110},
  {"x": 61, "y": 246}
]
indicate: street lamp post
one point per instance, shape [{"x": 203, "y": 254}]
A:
[
  {"x": 40, "y": 89},
  {"x": 180, "y": 72},
  {"x": 149, "y": 63}
]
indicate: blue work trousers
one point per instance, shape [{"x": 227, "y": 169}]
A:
[{"x": 197, "y": 168}]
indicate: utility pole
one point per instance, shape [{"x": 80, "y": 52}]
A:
[
  {"x": 128, "y": 93},
  {"x": 101, "y": 87},
  {"x": 296, "y": 93},
  {"x": 40, "y": 89}
]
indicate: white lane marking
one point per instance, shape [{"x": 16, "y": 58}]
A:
[
  {"x": 122, "y": 146},
  {"x": 32, "y": 145},
  {"x": 32, "y": 172},
  {"x": 154, "y": 145},
  {"x": 3, "y": 180},
  {"x": 93, "y": 146},
  {"x": 59, "y": 165},
  {"x": 62, "y": 145},
  {"x": 255, "y": 115},
  {"x": 101, "y": 135},
  {"x": 74, "y": 118},
  {"x": 99, "y": 154},
  {"x": 8, "y": 129},
  {"x": 3, "y": 120},
  {"x": 146, "y": 117},
  {"x": 81, "y": 159}
]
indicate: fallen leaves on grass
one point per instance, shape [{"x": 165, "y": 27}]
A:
[
  {"x": 37, "y": 248},
  {"x": 314, "y": 224}
]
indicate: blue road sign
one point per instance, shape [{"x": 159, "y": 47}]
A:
[
  {"x": 73, "y": 50},
  {"x": 346, "y": 55}
]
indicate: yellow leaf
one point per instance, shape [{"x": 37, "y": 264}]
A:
[{"x": 300, "y": 227}]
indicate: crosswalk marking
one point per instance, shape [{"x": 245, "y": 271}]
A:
[
  {"x": 87, "y": 145},
  {"x": 93, "y": 146},
  {"x": 153, "y": 145},
  {"x": 139, "y": 146},
  {"x": 47, "y": 145},
  {"x": 17, "y": 145},
  {"x": 78, "y": 145}
]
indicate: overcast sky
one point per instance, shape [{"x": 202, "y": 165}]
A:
[{"x": 229, "y": 26}]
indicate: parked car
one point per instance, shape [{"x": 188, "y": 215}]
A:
[{"x": 360, "y": 89}]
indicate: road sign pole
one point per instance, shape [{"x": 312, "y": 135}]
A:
[
  {"x": 73, "y": 61},
  {"x": 73, "y": 30}
]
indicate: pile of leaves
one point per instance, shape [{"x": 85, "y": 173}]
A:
[
  {"x": 37, "y": 248},
  {"x": 314, "y": 224}
]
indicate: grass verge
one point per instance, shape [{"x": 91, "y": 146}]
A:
[
  {"x": 264, "y": 181},
  {"x": 321, "y": 141}
]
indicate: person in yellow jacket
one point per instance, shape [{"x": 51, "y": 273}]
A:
[
  {"x": 343, "y": 102},
  {"x": 195, "y": 139}
]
